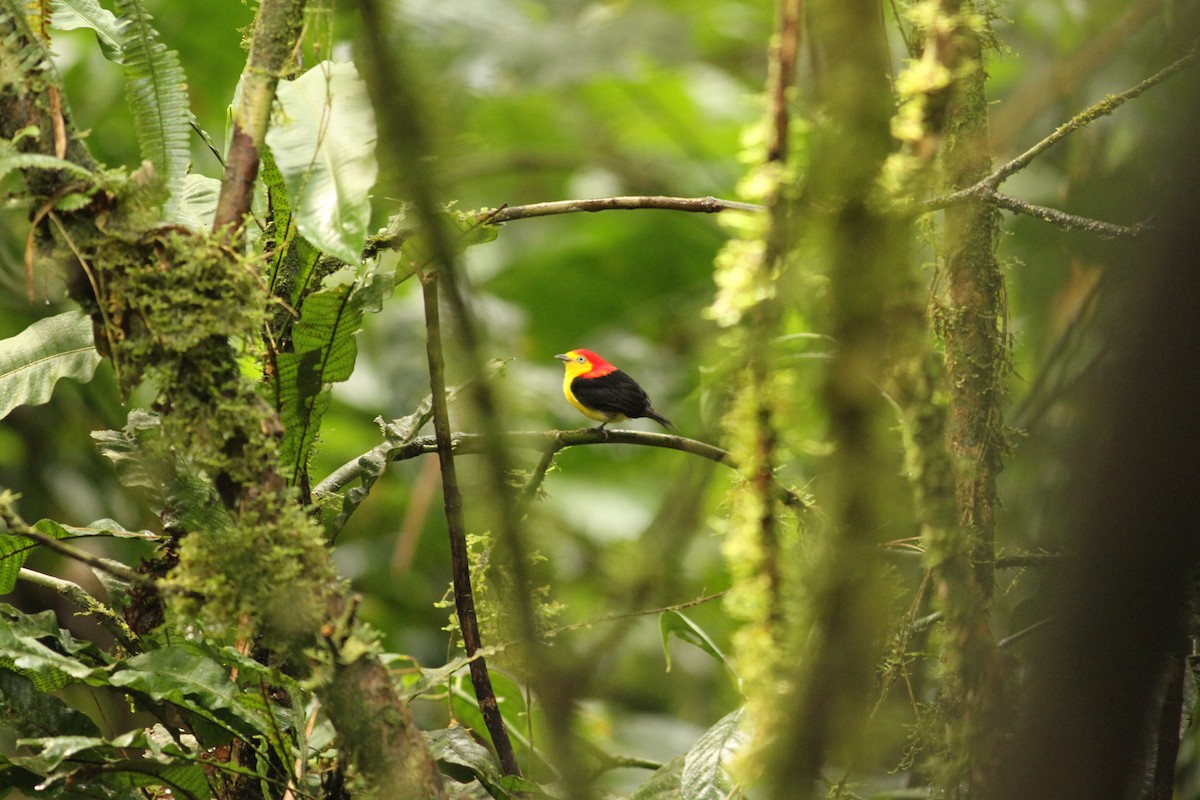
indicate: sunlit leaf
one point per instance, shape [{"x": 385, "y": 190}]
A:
[
  {"x": 156, "y": 91},
  {"x": 324, "y": 146},
  {"x": 324, "y": 352},
  {"x": 69, "y": 15}
]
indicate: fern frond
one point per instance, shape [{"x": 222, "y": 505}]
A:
[
  {"x": 156, "y": 90},
  {"x": 20, "y": 46}
]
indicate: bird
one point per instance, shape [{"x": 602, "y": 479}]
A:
[{"x": 604, "y": 393}]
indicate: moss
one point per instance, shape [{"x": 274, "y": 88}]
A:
[
  {"x": 268, "y": 573},
  {"x": 170, "y": 298}
]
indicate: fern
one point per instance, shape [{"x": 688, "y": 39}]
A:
[
  {"x": 22, "y": 51},
  {"x": 324, "y": 353},
  {"x": 156, "y": 90}
]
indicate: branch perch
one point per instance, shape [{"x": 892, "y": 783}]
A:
[{"x": 700, "y": 205}]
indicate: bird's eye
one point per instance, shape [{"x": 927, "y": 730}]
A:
[{"x": 580, "y": 359}]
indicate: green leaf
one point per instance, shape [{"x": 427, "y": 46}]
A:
[
  {"x": 190, "y": 678},
  {"x": 197, "y": 204},
  {"x": 664, "y": 783},
  {"x": 15, "y": 550},
  {"x": 455, "y": 746},
  {"x": 69, "y": 15},
  {"x": 156, "y": 90},
  {"x": 10, "y": 160},
  {"x": 324, "y": 352},
  {"x": 704, "y": 775},
  {"x": 674, "y": 623},
  {"x": 325, "y": 149},
  {"x": 176, "y": 489},
  {"x": 22, "y": 650},
  {"x": 141, "y": 757},
  {"x": 28, "y": 712},
  {"x": 36, "y": 358}
]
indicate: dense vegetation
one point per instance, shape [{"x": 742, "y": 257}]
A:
[{"x": 291, "y": 504}]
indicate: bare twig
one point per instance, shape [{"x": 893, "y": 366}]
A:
[
  {"x": 1066, "y": 221},
  {"x": 1020, "y": 560},
  {"x": 1008, "y": 641},
  {"x": 1033, "y": 96},
  {"x": 553, "y": 440},
  {"x": 407, "y": 142},
  {"x": 535, "y": 481},
  {"x": 700, "y": 205},
  {"x": 460, "y": 560},
  {"x": 784, "y": 48}
]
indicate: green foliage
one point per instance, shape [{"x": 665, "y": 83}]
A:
[
  {"x": 44, "y": 353},
  {"x": 674, "y": 623},
  {"x": 323, "y": 352},
  {"x": 69, "y": 15},
  {"x": 15, "y": 548},
  {"x": 324, "y": 146},
  {"x": 156, "y": 90}
]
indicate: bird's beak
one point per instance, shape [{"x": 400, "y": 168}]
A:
[{"x": 563, "y": 357}]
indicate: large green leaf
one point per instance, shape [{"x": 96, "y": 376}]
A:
[
  {"x": 197, "y": 202},
  {"x": 324, "y": 146},
  {"x": 323, "y": 352},
  {"x": 36, "y": 358},
  {"x": 28, "y": 711},
  {"x": 705, "y": 773},
  {"x": 142, "y": 757},
  {"x": 189, "y": 678},
  {"x": 21, "y": 649}
]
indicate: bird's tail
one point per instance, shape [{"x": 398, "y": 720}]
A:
[{"x": 661, "y": 420}]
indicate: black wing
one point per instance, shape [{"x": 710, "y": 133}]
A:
[{"x": 614, "y": 393}]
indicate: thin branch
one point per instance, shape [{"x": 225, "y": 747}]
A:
[
  {"x": 1089, "y": 115},
  {"x": 530, "y": 490},
  {"x": 549, "y": 442},
  {"x": 985, "y": 187},
  {"x": 700, "y": 205},
  {"x": 1067, "y": 221},
  {"x": 1021, "y": 634},
  {"x": 554, "y": 440},
  {"x": 18, "y": 527},
  {"x": 105, "y": 616},
  {"x": 1028, "y": 560},
  {"x": 1035, "y": 95},
  {"x": 784, "y": 49},
  {"x": 460, "y": 560}
]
